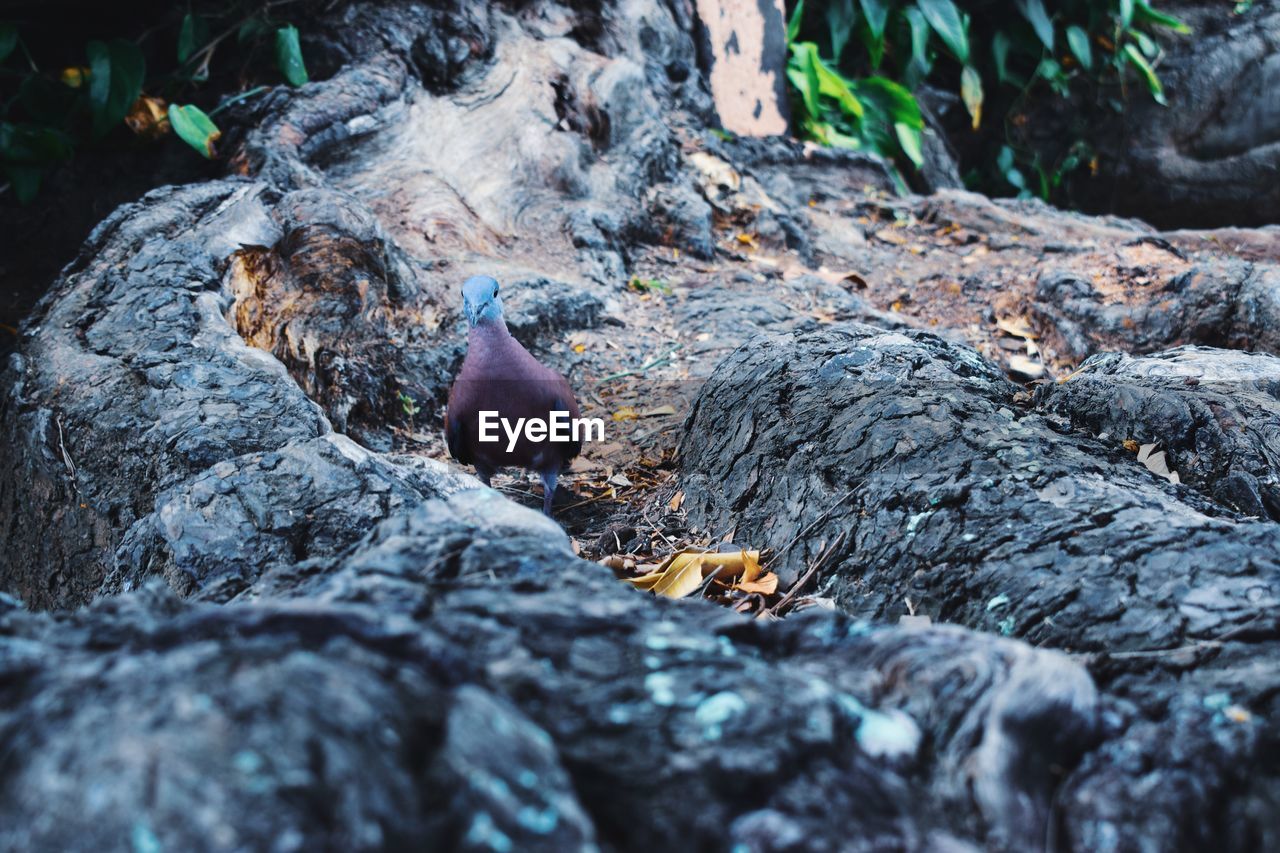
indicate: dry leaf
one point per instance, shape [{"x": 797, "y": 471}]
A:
[
  {"x": 676, "y": 501},
  {"x": 724, "y": 564},
  {"x": 148, "y": 117},
  {"x": 619, "y": 562},
  {"x": 1157, "y": 463},
  {"x": 680, "y": 579},
  {"x": 1024, "y": 366},
  {"x": 658, "y": 412},
  {"x": 766, "y": 585},
  {"x": 626, "y": 413},
  {"x": 645, "y": 581},
  {"x": 1131, "y": 445},
  {"x": 1018, "y": 326}
]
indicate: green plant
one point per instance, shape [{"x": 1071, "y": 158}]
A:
[
  {"x": 45, "y": 116},
  {"x": 649, "y": 285},
  {"x": 409, "y": 405},
  {"x": 855, "y": 65}
]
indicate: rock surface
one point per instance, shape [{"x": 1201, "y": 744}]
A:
[
  {"x": 1209, "y": 158},
  {"x": 296, "y": 632}
]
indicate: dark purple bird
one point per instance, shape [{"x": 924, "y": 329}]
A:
[{"x": 499, "y": 376}]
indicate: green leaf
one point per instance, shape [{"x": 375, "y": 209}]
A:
[
  {"x": 33, "y": 144},
  {"x": 1138, "y": 61},
  {"x": 1126, "y": 14},
  {"x": 289, "y": 56},
  {"x": 944, "y": 17},
  {"x": 186, "y": 37},
  {"x": 1051, "y": 72},
  {"x": 116, "y": 70},
  {"x": 842, "y": 15},
  {"x": 1033, "y": 11},
  {"x": 833, "y": 85},
  {"x": 910, "y": 138},
  {"x": 971, "y": 93},
  {"x": 252, "y": 28},
  {"x": 809, "y": 56},
  {"x": 8, "y": 40},
  {"x": 1000, "y": 53},
  {"x": 25, "y": 181},
  {"x": 1145, "y": 14},
  {"x": 1078, "y": 40},
  {"x": 1144, "y": 41},
  {"x": 46, "y": 101},
  {"x": 893, "y": 99},
  {"x": 876, "y": 14},
  {"x": 804, "y": 83},
  {"x": 793, "y": 25},
  {"x": 194, "y": 128},
  {"x": 919, "y": 66}
]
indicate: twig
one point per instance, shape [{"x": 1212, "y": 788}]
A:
[
  {"x": 777, "y": 555},
  {"x": 821, "y": 560},
  {"x": 66, "y": 457},
  {"x": 243, "y": 96},
  {"x": 1212, "y": 643},
  {"x": 661, "y": 360},
  {"x": 644, "y": 511}
]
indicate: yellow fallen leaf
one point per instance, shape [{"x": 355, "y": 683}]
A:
[
  {"x": 723, "y": 564},
  {"x": 676, "y": 501},
  {"x": 626, "y": 413},
  {"x": 579, "y": 347},
  {"x": 680, "y": 579},
  {"x": 684, "y": 572},
  {"x": 766, "y": 585},
  {"x": 645, "y": 581}
]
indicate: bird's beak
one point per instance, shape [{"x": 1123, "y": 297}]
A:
[{"x": 469, "y": 310}]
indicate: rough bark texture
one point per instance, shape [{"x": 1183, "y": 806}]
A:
[
  {"x": 960, "y": 500},
  {"x": 300, "y": 636}
]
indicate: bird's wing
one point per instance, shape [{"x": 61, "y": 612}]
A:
[
  {"x": 569, "y": 449},
  {"x": 456, "y": 437}
]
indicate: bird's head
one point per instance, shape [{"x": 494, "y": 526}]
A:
[{"x": 480, "y": 300}]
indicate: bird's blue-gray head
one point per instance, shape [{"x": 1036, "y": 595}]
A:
[{"x": 480, "y": 300}]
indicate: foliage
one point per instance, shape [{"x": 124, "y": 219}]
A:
[
  {"x": 649, "y": 285},
  {"x": 49, "y": 114},
  {"x": 855, "y": 64},
  {"x": 408, "y": 404}
]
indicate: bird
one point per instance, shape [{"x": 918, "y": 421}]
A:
[{"x": 499, "y": 375}]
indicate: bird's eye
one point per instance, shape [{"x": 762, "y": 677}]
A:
[{"x": 495, "y": 290}]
